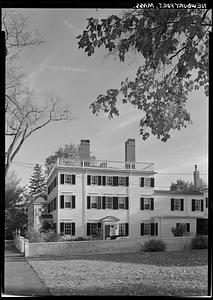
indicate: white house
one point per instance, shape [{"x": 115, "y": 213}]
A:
[{"x": 107, "y": 198}]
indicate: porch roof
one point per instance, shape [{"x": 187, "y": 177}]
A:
[{"x": 109, "y": 219}]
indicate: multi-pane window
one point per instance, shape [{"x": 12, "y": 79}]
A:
[
  {"x": 121, "y": 202},
  {"x": 197, "y": 204},
  {"x": 94, "y": 180},
  {"x": 122, "y": 181},
  {"x": 94, "y": 202},
  {"x": 108, "y": 202},
  {"x": 68, "y": 178},
  {"x": 147, "y": 182},
  {"x": 67, "y": 201},
  {"x": 67, "y": 228},
  {"x": 94, "y": 229},
  {"x": 109, "y": 180},
  {"x": 177, "y": 204},
  {"x": 149, "y": 229},
  {"x": 122, "y": 229},
  {"x": 147, "y": 203}
]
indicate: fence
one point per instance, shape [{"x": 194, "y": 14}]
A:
[{"x": 73, "y": 248}]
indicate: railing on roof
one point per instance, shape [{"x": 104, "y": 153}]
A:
[{"x": 106, "y": 164}]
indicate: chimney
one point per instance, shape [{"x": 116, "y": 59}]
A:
[
  {"x": 196, "y": 178},
  {"x": 130, "y": 153},
  {"x": 85, "y": 151}
]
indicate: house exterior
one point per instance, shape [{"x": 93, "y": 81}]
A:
[
  {"x": 34, "y": 211},
  {"x": 108, "y": 198}
]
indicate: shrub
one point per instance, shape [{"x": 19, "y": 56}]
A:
[
  {"x": 199, "y": 242},
  {"x": 34, "y": 236},
  {"x": 154, "y": 246}
]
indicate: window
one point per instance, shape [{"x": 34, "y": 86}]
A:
[
  {"x": 67, "y": 228},
  {"x": 94, "y": 202},
  {"x": 108, "y": 202},
  {"x": 69, "y": 178},
  {"x": 67, "y": 201},
  {"x": 109, "y": 180},
  {"x": 94, "y": 180},
  {"x": 177, "y": 204},
  {"x": 122, "y": 229},
  {"x": 147, "y": 182},
  {"x": 197, "y": 204},
  {"x": 122, "y": 181},
  {"x": 94, "y": 229},
  {"x": 147, "y": 203},
  {"x": 121, "y": 202},
  {"x": 184, "y": 226},
  {"x": 149, "y": 229}
]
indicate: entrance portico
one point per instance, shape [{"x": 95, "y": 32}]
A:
[{"x": 109, "y": 226}]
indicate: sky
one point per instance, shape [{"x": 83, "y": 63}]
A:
[{"x": 59, "y": 67}]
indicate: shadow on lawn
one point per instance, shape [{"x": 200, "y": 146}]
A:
[{"x": 174, "y": 258}]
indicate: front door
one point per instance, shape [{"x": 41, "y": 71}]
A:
[{"x": 107, "y": 231}]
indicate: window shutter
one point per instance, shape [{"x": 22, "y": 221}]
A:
[
  {"x": 99, "y": 225},
  {"x": 126, "y": 228},
  {"x": 193, "y": 204},
  {"x": 88, "y": 179},
  {"x": 172, "y": 204},
  {"x": 115, "y": 180},
  {"x": 177, "y": 225},
  {"x": 127, "y": 203},
  {"x": 88, "y": 228},
  {"x": 127, "y": 181},
  {"x": 62, "y": 178},
  {"x": 115, "y": 203},
  {"x": 88, "y": 202},
  {"x": 142, "y": 203},
  {"x": 182, "y": 204},
  {"x": 99, "y": 180},
  {"x": 152, "y": 228},
  {"x": 54, "y": 204},
  {"x": 152, "y": 203},
  {"x": 73, "y": 178},
  {"x": 104, "y": 180},
  {"x": 201, "y": 204},
  {"x": 61, "y": 227},
  {"x": 206, "y": 202},
  {"x": 142, "y": 228},
  {"x": 73, "y": 229},
  {"x": 73, "y": 201},
  {"x": 142, "y": 181},
  {"x": 156, "y": 228},
  {"x": 99, "y": 202},
  {"x": 188, "y": 227},
  {"x": 62, "y": 201},
  {"x": 103, "y": 202},
  {"x": 152, "y": 182}
]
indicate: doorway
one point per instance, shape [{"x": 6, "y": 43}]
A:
[{"x": 107, "y": 231}]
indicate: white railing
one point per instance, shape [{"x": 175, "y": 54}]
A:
[{"x": 106, "y": 164}]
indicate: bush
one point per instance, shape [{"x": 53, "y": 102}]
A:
[
  {"x": 199, "y": 242},
  {"x": 35, "y": 236},
  {"x": 154, "y": 246}
]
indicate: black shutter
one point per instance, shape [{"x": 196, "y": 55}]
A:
[
  {"x": 62, "y": 201},
  {"x": 99, "y": 225},
  {"x": 193, "y": 204},
  {"x": 61, "y": 227},
  {"x": 88, "y": 228},
  {"x": 126, "y": 228},
  {"x": 115, "y": 203},
  {"x": 152, "y": 203},
  {"x": 99, "y": 180},
  {"x": 182, "y": 204},
  {"x": 62, "y": 178},
  {"x": 172, "y": 204},
  {"x": 177, "y": 225},
  {"x": 54, "y": 204},
  {"x": 152, "y": 228},
  {"x": 127, "y": 181},
  {"x": 188, "y": 227},
  {"x": 201, "y": 204},
  {"x": 142, "y": 228},
  {"x": 88, "y": 179},
  {"x": 142, "y": 203},
  {"x": 73, "y": 178},
  {"x": 99, "y": 202},
  {"x": 142, "y": 181},
  {"x": 73, "y": 228},
  {"x": 206, "y": 202},
  {"x": 73, "y": 201},
  {"x": 152, "y": 182},
  {"x": 127, "y": 203},
  {"x": 156, "y": 228},
  {"x": 103, "y": 202},
  {"x": 115, "y": 180},
  {"x": 104, "y": 180},
  {"x": 88, "y": 202}
]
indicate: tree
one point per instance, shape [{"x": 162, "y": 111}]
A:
[
  {"x": 24, "y": 115},
  {"x": 175, "y": 46},
  {"x": 67, "y": 151},
  {"x": 186, "y": 186},
  {"x": 15, "y": 205},
  {"x": 37, "y": 181}
]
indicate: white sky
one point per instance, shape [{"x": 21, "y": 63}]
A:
[{"x": 59, "y": 66}]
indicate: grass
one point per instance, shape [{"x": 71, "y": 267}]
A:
[{"x": 176, "y": 273}]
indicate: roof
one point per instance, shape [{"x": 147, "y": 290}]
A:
[{"x": 168, "y": 192}]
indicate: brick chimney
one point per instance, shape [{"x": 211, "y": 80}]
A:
[
  {"x": 196, "y": 178},
  {"x": 85, "y": 151},
  {"x": 130, "y": 153}
]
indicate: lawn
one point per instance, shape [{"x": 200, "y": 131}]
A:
[{"x": 176, "y": 273}]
